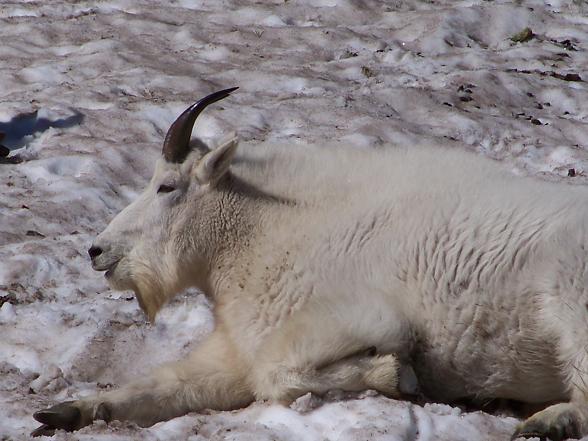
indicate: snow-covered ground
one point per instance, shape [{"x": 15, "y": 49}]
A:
[{"x": 88, "y": 89}]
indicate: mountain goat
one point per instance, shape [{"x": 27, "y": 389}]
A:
[{"x": 345, "y": 268}]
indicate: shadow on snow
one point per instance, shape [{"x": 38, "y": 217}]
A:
[{"x": 14, "y": 133}]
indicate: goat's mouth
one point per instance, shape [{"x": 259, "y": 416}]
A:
[
  {"x": 109, "y": 271},
  {"x": 108, "y": 268}
]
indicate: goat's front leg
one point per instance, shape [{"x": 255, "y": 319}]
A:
[{"x": 209, "y": 379}]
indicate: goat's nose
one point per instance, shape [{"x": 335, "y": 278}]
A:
[{"x": 94, "y": 251}]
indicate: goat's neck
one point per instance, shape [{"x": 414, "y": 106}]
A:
[{"x": 245, "y": 214}]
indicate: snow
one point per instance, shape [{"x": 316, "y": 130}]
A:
[{"x": 88, "y": 89}]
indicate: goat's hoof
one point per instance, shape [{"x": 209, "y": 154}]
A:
[
  {"x": 556, "y": 423},
  {"x": 64, "y": 416},
  {"x": 43, "y": 430}
]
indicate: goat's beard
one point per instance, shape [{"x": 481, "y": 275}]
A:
[
  {"x": 144, "y": 281},
  {"x": 149, "y": 292}
]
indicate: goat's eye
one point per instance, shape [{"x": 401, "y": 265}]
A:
[{"x": 165, "y": 189}]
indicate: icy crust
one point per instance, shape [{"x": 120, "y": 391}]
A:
[{"x": 89, "y": 88}]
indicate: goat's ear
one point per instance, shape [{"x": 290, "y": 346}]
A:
[{"x": 216, "y": 163}]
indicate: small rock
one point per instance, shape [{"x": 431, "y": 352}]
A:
[
  {"x": 347, "y": 54},
  {"x": 47, "y": 380},
  {"x": 381, "y": 46},
  {"x": 367, "y": 72},
  {"x": 572, "y": 77},
  {"x": 523, "y": 36},
  {"x": 572, "y": 172},
  {"x": 7, "y": 313},
  {"x": 306, "y": 403},
  {"x": 567, "y": 45},
  {"x": 33, "y": 233},
  {"x": 56, "y": 385},
  {"x": 4, "y": 151},
  {"x": 567, "y": 77}
]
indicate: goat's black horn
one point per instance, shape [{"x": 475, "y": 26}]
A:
[{"x": 177, "y": 141}]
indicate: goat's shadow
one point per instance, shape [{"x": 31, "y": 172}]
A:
[{"x": 14, "y": 133}]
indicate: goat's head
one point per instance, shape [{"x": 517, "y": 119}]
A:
[{"x": 162, "y": 242}]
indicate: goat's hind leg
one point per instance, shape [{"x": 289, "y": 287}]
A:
[
  {"x": 208, "y": 379},
  {"x": 355, "y": 373},
  {"x": 565, "y": 420},
  {"x": 564, "y": 315}
]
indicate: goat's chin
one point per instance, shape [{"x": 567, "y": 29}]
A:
[{"x": 118, "y": 276}]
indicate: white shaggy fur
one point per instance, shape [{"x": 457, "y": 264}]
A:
[{"x": 438, "y": 259}]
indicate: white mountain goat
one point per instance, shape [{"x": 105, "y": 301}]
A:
[{"x": 341, "y": 268}]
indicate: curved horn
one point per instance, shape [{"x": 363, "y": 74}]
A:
[{"x": 177, "y": 140}]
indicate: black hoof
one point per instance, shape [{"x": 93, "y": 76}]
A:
[
  {"x": 43, "y": 430},
  {"x": 61, "y": 416},
  {"x": 565, "y": 428}
]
